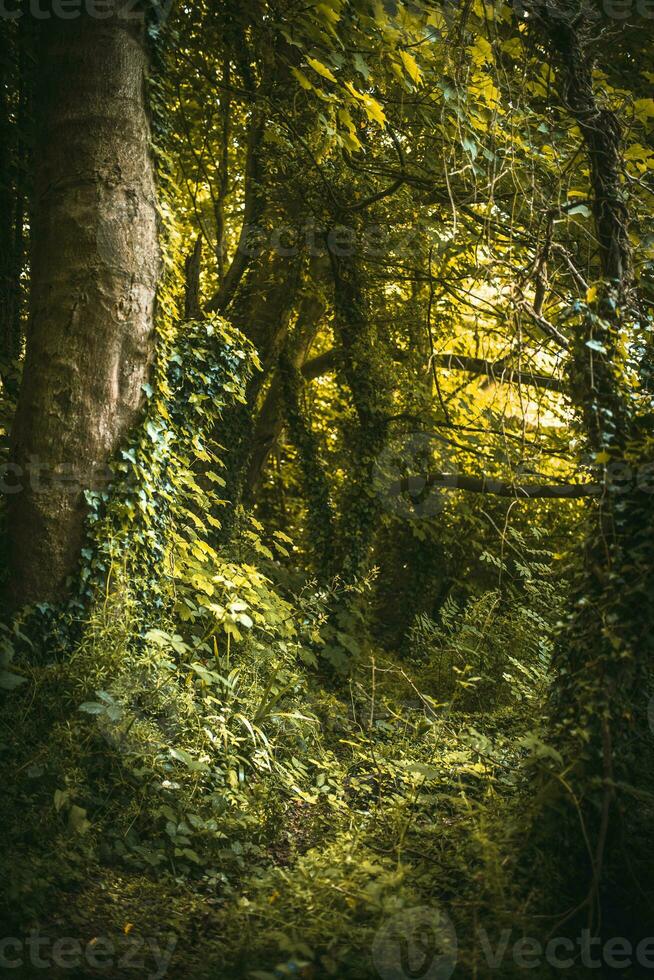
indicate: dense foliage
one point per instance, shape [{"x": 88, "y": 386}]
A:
[{"x": 361, "y": 621}]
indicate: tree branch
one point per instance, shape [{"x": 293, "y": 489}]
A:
[
  {"x": 496, "y": 371},
  {"x": 416, "y": 486}
]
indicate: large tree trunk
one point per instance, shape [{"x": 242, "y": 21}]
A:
[
  {"x": 8, "y": 286},
  {"x": 95, "y": 265},
  {"x": 16, "y": 83}
]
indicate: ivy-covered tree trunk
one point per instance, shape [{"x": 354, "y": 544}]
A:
[
  {"x": 95, "y": 265},
  {"x": 605, "y": 658},
  {"x": 315, "y": 485},
  {"x": 262, "y": 310},
  {"x": 363, "y": 367},
  {"x": 270, "y": 419},
  {"x": 8, "y": 285}
]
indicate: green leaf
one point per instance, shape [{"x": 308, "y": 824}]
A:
[
  {"x": 10, "y": 681},
  {"x": 92, "y": 708},
  {"x": 60, "y": 798},
  {"x": 361, "y": 65},
  {"x": 77, "y": 821}
]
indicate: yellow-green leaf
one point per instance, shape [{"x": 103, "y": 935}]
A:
[
  {"x": 481, "y": 52},
  {"x": 411, "y": 66},
  {"x": 302, "y": 79},
  {"x": 637, "y": 152},
  {"x": 328, "y": 13},
  {"x": 374, "y": 111},
  {"x": 644, "y": 109},
  {"x": 321, "y": 69}
]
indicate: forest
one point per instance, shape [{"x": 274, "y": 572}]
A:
[{"x": 327, "y": 489}]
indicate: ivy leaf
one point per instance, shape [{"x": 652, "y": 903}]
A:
[
  {"x": 470, "y": 146},
  {"x": 60, "y": 798},
  {"x": 482, "y": 52},
  {"x": 637, "y": 152}
]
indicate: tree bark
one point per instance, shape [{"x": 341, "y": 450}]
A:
[
  {"x": 364, "y": 371},
  {"x": 253, "y": 211},
  {"x": 262, "y": 310},
  {"x": 604, "y": 658},
  {"x": 8, "y": 285},
  {"x": 95, "y": 266},
  {"x": 223, "y": 185},
  {"x": 270, "y": 420},
  {"x": 192, "y": 270}
]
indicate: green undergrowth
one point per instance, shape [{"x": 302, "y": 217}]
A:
[{"x": 201, "y": 776}]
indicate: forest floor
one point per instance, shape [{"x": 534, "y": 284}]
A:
[
  {"x": 397, "y": 809},
  {"x": 166, "y": 815}
]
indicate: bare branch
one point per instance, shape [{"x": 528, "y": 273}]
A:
[
  {"x": 495, "y": 371},
  {"x": 416, "y": 486}
]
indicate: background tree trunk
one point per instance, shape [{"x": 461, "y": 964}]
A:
[
  {"x": 363, "y": 368},
  {"x": 270, "y": 420},
  {"x": 95, "y": 265}
]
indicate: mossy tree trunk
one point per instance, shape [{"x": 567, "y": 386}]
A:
[
  {"x": 364, "y": 371},
  {"x": 8, "y": 141},
  {"x": 95, "y": 265},
  {"x": 605, "y": 658}
]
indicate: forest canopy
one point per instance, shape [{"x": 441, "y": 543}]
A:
[{"x": 327, "y": 488}]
